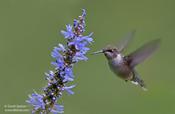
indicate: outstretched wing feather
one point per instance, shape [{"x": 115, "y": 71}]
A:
[
  {"x": 125, "y": 41},
  {"x": 143, "y": 53}
]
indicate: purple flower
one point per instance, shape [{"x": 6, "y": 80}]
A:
[
  {"x": 65, "y": 57},
  {"x": 60, "y": 48},
  {"x": 68, "y": 89},
  {"x": 67, "y": 74},
  {"x": 36, "y": 100},
  {"x": 58, "y": 109},
  {"x": 50, "y": 76},
  {"x": 68, "y": 79},
  {"x": 75, "y": 23},
  {"x": 79, "y": 56},
  {"x": 81, "y": 43},
  {"x": 68, "y": 34},
  {"x": 83, "y": 13},
  {"x": 59, "y": 63},
  {"x": 88, "y": 38},
  {"x": 56, "y": 54}
]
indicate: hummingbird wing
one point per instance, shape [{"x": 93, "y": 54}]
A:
[
  {"x": 125, "y": 41},
  {"x": 142, "y": 53}
]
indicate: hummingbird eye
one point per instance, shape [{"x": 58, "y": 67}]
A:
[{"x": 110, "y": 50}]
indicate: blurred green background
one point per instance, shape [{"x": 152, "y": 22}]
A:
[{"x": 29, "y": 29}]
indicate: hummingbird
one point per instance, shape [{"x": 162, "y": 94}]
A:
[{"x": 124, "y": 65}]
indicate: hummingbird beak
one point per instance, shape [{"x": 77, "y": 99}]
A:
[{"x": 97, "y": 52}]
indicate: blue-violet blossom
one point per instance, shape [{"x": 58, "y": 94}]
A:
[{"x": 65, "y": 57}]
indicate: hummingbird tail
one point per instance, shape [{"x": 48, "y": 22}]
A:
[{"x": 138, "y": 81}]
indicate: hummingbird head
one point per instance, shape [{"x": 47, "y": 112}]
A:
[{"x": 109, "y": 51}]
